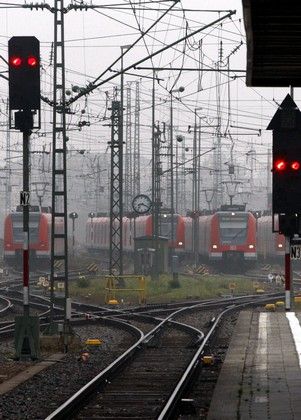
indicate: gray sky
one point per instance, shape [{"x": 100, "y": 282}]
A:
[{"x": 93, "y": 39}]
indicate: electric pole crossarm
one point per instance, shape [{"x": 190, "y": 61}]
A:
[{"x": 189, "y": 160}]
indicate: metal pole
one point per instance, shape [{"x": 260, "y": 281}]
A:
[
  {"x": 287, "y": 274},
  {"x": 198, "y": 167},
  {"x": 116, "y": 209},
  {"x": 8, "y": 187},
  {"x": 155, "y": 192},
  {"x": 26, "y": 134},
  {"x": 73, "y": 236},
  {"x": 269, "y": 165},
  {"x": 154, "y": 271},
  {"x": 121, "y": 162},
  {"x": 171, "y": 179},
  {"x": 194, "y": 192},
  {"x": 177, "y": 178}
]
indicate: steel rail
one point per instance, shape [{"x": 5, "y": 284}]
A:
[
  {"x": 168, "y": 411},
  {"x": 7, "y": 303},
  {"x": 71, "y": 405}
]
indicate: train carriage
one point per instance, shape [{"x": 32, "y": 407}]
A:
[
  {"x": 98, "y": 231},
  {"x": 270, "y": 246}
]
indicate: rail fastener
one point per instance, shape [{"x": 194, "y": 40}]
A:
[
  {"x": 208, "y": 360},
  {"x": 270, "y": 307},
  {"x": 297, "y": 299},
  {"x": 93, "y": 342},
  {"x": 113, "y": 302}
]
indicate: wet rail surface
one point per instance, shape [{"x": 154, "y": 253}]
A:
[{"x": 147, "y": 375}]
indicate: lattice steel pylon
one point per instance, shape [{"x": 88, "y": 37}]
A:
[
  {"x": 182, "y": 205},
  {"x": 8, "y": 188},
  {"x": 128, "y": 174},
  {"x": 217, "y": 155},
  {"x": 157, "y": 180},
  {"x": 136, "y": 152},
  {"x": 59, "y": 226},
  {"x": 168, "y": 175},
  {"x": 116, "y": 194}
]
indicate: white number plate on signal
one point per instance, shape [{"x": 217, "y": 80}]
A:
[{"x": 295, "y": 252}]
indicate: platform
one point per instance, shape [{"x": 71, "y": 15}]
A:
[{"x": 261, "y": 376}]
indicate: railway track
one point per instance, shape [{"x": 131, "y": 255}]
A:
[
  {"x": 148, "y": 380},
  {"x": 5, "y": 305}
]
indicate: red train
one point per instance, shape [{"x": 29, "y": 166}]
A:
[
  {"x": 227, "y": 236},
  {"x": 39, "y": 236},
  {"x": 98, "y": 231},
  {"x": 270, "y": 245}
]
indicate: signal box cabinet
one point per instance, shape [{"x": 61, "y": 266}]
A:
[{"x": 144, "y": 255}]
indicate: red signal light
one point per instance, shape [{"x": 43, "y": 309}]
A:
[
  {"x": 295, "y": 166},
  {"x": 32, "y": 61},
  {"x": 15, "y": 61},
  {"x": 280, "y": 165}
]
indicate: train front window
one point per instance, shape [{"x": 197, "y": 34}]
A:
[
  {"x": 166, "y": 230},
  {"x": 17, "y": 221},
  {"x": 18, "y": 232},
  {"x": 233, "y": 228},
  {"x": 165, "y": 226}
]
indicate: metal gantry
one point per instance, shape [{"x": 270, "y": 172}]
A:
[
  {"x": 196, "y": 182},
  {"x": 8, "y": 186},
  {"x": 59, "y": 226},
  {"x": 168, "y": 174},
  {"x": 136, "y": 154},
  {"x": 116, "y": 194},
  {"x": 156, "y": 195},
  {"x": 128, "y": 175},
  {"x": 157, "y": 182}
]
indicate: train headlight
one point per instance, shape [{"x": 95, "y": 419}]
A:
[
  {"x": 280, "y": 246},
  {"x": 251, "y": 246},
  {"x": 214, "y": 246},
  {"x": 180, "y": 243}
]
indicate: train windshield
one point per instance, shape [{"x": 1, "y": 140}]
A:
[
  {"x": 165, "y": 226},
  {"x": 17, "y": 221},
  {"x": 233, "y": 228}
]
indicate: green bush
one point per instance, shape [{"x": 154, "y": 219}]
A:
[
  {"x": 83, "y": 282},
  {"x": 174, "y": 284}
]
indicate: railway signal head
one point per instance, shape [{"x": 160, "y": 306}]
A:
[
  {"x": 287, "y": 179},
  {"x": 24, "y": 73},
  {"x": 73, "y": 215},
  {"x": 286, "y": 126}
]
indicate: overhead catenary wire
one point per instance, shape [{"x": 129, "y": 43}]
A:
[{"x": 94, "y": 85}]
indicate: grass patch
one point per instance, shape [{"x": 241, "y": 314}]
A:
[
  {"x": 205, "y": 287},
  {"x": 83, "y": 282}
]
